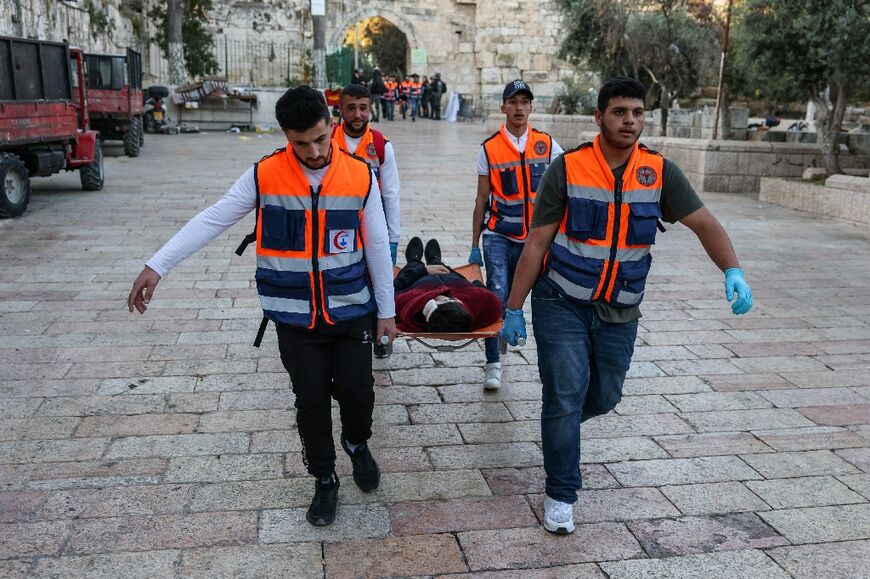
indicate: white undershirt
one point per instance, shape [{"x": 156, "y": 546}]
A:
[
  {"x": 389, "y": 185},
  {"x": 519, "y": 144},
  {"x": 241, "y": 200}
]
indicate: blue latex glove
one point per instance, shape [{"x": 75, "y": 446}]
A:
[
  {"x": 394, "y": 250},
  {"x": 514, "y": 327},
  {"x": 475, "y": 256},
  {"x": 735, "y": 284}
]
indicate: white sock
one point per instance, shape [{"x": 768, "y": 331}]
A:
[{"x": 352, "y": 447}]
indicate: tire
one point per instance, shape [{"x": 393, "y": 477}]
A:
[
  {"x": 92, "y": 175},
  {"x": 141, "y": 133},
  {"x": 148, "y": 125},
  {"x": 14, "y": 186},
  {"x": 132, "y": 138}
]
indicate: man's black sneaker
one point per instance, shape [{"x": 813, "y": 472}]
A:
[
  {"x": 414, "y": 251},
  {"x": 322, "y": 509},
  {"x": 366, "y": 473},
  {"x": 433, "y": 252},
  {"x": 383, "y": 351}
]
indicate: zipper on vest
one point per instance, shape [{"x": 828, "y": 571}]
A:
[
  {"x": 617, "y": 215},
  {"x": 525, "y": 193},
  {"x": 315, "y": 249}
]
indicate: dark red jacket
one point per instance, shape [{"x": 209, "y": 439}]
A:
[{"x": 483, "y": 305}]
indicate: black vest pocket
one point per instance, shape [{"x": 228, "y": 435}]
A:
[
  {"x": 587, "y": 219},
  {"x": 282, "y": 230},
  {"x": 509, "y": 185}
]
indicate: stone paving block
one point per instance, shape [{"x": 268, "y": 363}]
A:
[
  {"x": 397, "y": 435},
  {"x": 778, "y": 364},
  {"x": 860, "y": 457},
  {"x": 41, "y": 371},
  {"x": 693, "y": 535},
  {"x": 403, "y": 459},
  {"x": 494, "y": 432},
  {"x": 828, "y": 379},
  {"x": 695, "y": 367},
  {"x": 403, "y": 361},
  {"x": 60, "y": 475},
  {"x": 713, "y": 498},
  {"x": 257, "y": 400},
  {"x": 463, "y": 514},
  {"x": 221, "y": 382},
  {"x": 838, "y": 415},
  {"x": 778, "y": 335},
  {"x": 161, "y": 532},
  {"x": 535, "y": 547},
  {"x": 736, "y": 420},
  {"x": 710, "y": 351},
  {"x": 747, "y": 564},
  {"x": 437, "y": 376},
  {"x": 476, "y": 392},
  {"x": 382, "y": 414},
  {"x": 197, "y": 402},
  {"x": 811, "y": 438},
  {"x": 681, "y": 471},
  {"x": 116, "y": 369},
  {"x": 524, "y": 409},
  {"x": 14, "y": 568},
  {"x": 596, "y": 506},
  {"x": 19, "y": 505},
  {"x": 300, "y": 561},
  {"x": 136, "y": 425},
  {"x": 18, "y": 407},
  {"x": 32, "y": 539},
  {"x": 740, "y": 382},
  {"x": 116, "y": 502},
  {"x": 515, "y": 454},
  {"x": 830, "y": 560},
  {"x": 275, "y": 441},
  {"x": 253, "y": 495},
  {"x": 417, "y": 555},
  {"x": 612, "y": 426},
  {"x": 644, "y": 370},
  {"x": 98, "y": 405},
  {"x": 814, "y": 397},
  {"x": 652, "y": 404},
  {"x": 247, "y": 420},
  {"x": 351, "y": 522},
  {"x": 619, "y": 449},
  {"x": 225, "y": 467},
  {"x": 859, "y": 483},
  {"x": 812, "y": 491},
  {"x": 822, "y": 524},
  {"x": 179, "y": 352},
  {"x": 407, "y": 395},
  {"x": 706, "y": 401},
  {"x": 147, "y": 385},
  {"x": 711, "y": 444},
  {"x": 52, "y": 450},
  {"x": 579, "y": 571},
  {"x": 530, "y": 480},
  {"x": 805, "y": 463},
  {"x": 761, "y": 349},
  {"x": 178, "y": 445},
  {"x": 146, "y": 565},
  {"x": 36, "y": 428},
  {"x": 460, "y": 412},
  {"x": 664, "y": 385},
  {"x": 688, "y": 337},
  {"x": 197, "y": 367}
]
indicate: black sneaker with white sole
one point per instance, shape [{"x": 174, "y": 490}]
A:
[
  {"x": 323, "y": 505},
  {"x": 366, "y": 473}
]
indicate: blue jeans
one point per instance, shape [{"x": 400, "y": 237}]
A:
[
  {"x": 415, "y": 106},
  {"x": 389, "y": 108},
  {"x": 582, "y": 362},
  {"x": 500, "y": 256}
]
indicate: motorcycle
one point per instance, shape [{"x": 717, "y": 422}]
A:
[{"x": 154, "y": 116}]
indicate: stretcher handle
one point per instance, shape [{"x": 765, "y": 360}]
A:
[
  {"x": 521, "y": 342},
  {"x": 385, "y": 339}
]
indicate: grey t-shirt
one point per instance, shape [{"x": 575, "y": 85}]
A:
[{"x": 678, "y": 200}]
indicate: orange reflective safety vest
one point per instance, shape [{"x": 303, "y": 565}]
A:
[
  {"x": 602, "y": 249},
  {"x": 514, "y": 179},
  {"x": 310, "y": 256},
  {"x": 405, "y": 88},
  {"x": 416, "y": 89},
  {"x": 390, "y": 95},
  {"x": 370, "y": 147}
]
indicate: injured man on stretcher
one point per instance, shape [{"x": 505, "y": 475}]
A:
[{"x": 434, "y": 298}]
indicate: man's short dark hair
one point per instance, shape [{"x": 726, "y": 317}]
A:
[
  {"x": 450, "y": 317},
  {"x": 621, "y": 86},
  {"x": 301, "y": 108},
  {"x": 357, "y": 91}
]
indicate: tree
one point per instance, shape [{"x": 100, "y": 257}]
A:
[
  {"x": 815, "y": 49},
  {"x": 197, "y": 42},
  {"x": 381, "y": 45},
  {"x": 174, "y": 42},
  {"x": 659, "y": 43}
]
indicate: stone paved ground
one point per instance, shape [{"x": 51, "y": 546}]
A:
[{"x": 164, "y": 445}]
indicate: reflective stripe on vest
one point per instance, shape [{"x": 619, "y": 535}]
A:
[
  {"x": 602, "y": 249},
  {"x": 513, "y": 180},
  {"x": 391, "y": 91},
  {"x": 310, "y": 255},
  {"x": 416, "y": 89}
]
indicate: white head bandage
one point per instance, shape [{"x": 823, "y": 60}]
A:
[{"x": 429, "y": 309}]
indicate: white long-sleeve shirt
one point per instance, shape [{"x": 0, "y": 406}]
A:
[
  {"x": 389, "y": 185},
  {"x": 241, "y": 199}
]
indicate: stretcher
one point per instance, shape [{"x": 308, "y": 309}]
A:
[{"x": 471, "y": 272}]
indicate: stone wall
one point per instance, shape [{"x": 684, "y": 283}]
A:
[{"x": 841, "y": 196}]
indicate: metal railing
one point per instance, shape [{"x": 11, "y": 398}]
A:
[{"x": 259, "y": 62}]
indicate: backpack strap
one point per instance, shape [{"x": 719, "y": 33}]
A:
[{"x": 252, "y": 236}]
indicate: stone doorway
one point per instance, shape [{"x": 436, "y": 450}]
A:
[{"x": 381, "y": 45}]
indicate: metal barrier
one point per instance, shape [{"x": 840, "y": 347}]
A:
[{"x": 259, "y": 62}]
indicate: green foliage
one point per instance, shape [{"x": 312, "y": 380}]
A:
[
  {"x": 576, "y": 97},
  {"x": 794, "y": 49},
  {"x": 198, "y": 42},
  {"x": 386, "y": 45},
  {"x": 101, "y": 24}
]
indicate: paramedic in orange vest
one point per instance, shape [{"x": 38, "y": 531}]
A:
[
  {"x": 415, "y": 95},
  {"x": 586, "y": 262},
  {"x": 405, "y": 94},
  {"x": 390, "y": 98},
  {"x": 509, "y": 167},
  {"x": 356, "y": 136},
  {"x": 324, "y": 278}
]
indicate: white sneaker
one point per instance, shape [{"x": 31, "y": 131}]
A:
[
  {"x": 558, "y": 516},
  {"x": 492, "y": 376}
]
